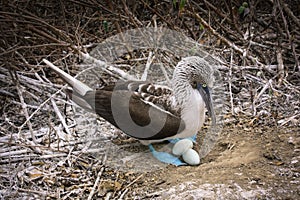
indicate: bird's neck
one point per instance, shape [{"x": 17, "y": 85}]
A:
[
  {"x": 182, "y": 90},
  {"x": 191, "y": 105}
]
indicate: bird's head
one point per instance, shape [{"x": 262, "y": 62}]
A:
[{"x": 195, "y": 73}]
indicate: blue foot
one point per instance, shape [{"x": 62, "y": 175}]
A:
[
  {"x": 166, "y": 157},
  {"x": 169, "y": 158},
  {"x": 193, "y": 139}
]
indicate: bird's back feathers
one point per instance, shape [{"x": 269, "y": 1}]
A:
[{"x": 113, "y": 103}]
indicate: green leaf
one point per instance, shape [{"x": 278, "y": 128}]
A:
[
  {"x": 182, "y": 4},
  {"x": 105, "y": 25},
  {"x": 201, "y": 27},
  {"x": 242, "y": 7},
  {"x": 174, "y": 3}
]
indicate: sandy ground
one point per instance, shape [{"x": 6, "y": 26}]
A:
[{"x": 260, "y": 163}]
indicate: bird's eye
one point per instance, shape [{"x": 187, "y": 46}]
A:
[
  {"x": 204, "y": 85},
  {"x": 194, "y": 84}
]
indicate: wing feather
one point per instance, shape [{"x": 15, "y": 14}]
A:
[{"x": 131, "y": 96}]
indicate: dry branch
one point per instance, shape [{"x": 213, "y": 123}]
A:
[
  {"x": 226, "y": 41},
  {"x": 97, "y": 179}
]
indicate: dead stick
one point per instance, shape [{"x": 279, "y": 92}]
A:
[
  {"x": 97, "y": 179},
  {"x": 290, "y": 13},
  {"x": 103, "y": 65},
  {"x": 280, "y": 66},
  {"x": 50, "y": 156},
  {"x": 266, "y": 86},
  {"x": 61, "y": 118},
  {"x": 24, "y": 107},
  {"x": 230, "y": 77},
  {"x": 95, "y": 184},
  {"x": 230, "y": 44},
  {"x": 123, "y": 194},
  {"x": 135, "y": 180},
  {"x": 34, "y": 112},
  {"x": 147, "y": 67}
]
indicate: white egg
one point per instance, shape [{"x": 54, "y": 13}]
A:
[
  {"x": 191, "y": 157},
  {"x": 182, "y": 146}
]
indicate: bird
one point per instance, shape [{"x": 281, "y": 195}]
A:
[{"x": 150, "y": 112}]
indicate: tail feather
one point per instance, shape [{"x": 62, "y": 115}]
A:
[
  {"x": 79, "y": 100},
  {"x": 77, "y": 85}
]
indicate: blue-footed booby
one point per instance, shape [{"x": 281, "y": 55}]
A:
[{"x": 149, "y": 112}]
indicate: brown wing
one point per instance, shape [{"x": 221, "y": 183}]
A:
[{"x": 127, "y": 111}]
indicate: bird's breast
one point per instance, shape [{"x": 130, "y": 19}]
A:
[{"x": 193, "y": 114}]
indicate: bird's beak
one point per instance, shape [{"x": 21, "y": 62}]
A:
[{"x": 205, "y": 94}]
